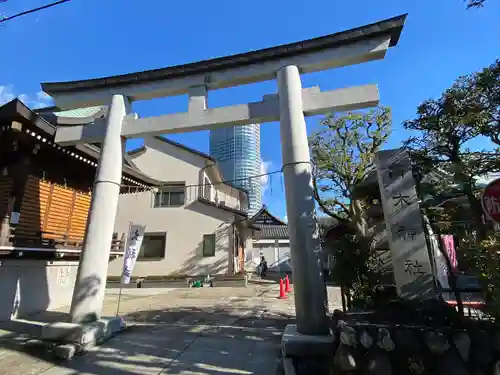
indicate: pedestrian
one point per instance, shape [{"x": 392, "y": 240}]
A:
[{"x": 262, "y": 268}]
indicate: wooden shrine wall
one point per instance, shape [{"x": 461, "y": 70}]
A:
[
  {"x": 55, "y": 210},
  {"x": 5, "y": 189}
]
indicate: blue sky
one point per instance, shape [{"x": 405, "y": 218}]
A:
[{"x": 91, "y": 38}]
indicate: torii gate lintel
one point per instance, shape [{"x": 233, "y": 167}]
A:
[{"x": 199, "y": 117}]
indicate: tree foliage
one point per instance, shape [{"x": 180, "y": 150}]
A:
[
  {"x": 343, "y": 152},
  {"x": 486, "y": 264},
  {"x": 475, "y": 3},
  {"x": 444, "y": 127},
  {"x": 484, "y": 100}
]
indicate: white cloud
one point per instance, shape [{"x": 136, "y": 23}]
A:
[
  {"x": 6, "y": 94},
  {"x": 285, "y": 219},
  {"x": 264, "y": 180},
  {"x": 40, "y": 99},
  {"x": 24, "y": 98},
  {"x": 43, "y": 97}
]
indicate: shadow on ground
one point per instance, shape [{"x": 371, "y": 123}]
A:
[{"x": 181, "y": 340}]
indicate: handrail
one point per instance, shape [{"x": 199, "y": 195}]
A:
[
  {"x": 40, "y": 238},
  {"x": 49, "y": 250}
]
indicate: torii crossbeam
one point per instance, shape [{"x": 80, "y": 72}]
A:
[{"x": 284, "y": 63}]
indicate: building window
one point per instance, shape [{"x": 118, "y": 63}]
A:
[
  {"x": 153, "y": 246},
  {"x": 170, "y": 196},
  {"x": 209, "y": 245}
]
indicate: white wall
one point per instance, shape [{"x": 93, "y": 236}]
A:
[
  {"x": 31, "y": 286},
  {"x": 185, "y": 226},
  {"x": 277, "y": 256}
]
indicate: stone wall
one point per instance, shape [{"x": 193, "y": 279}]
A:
[
  {"x": 31, "y": 286},
  {"x": 365, "y": 344}
]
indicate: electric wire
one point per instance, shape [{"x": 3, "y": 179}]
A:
[
  {"x": 224, "y": 182},
  {"x": 5, "y": 19}
]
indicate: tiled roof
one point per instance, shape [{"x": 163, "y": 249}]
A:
[
  {"x": 272, "y": 231},
  {"x": 16, "y": 109},
  {"x": 80, "y": 112},
  {"x": 265, "y": 217}
]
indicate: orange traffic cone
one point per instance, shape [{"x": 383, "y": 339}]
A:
[
  {"x": 287, "y": 285},
  {"x": 282, "y": 290}
]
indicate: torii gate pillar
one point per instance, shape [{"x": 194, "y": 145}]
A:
[
  {"x": 88, "y": 295},
  {"x": 309, "y": 287}
]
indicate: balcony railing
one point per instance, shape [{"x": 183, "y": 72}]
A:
[{"x": 228, "y": 198}]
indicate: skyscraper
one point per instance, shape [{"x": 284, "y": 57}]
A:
[{"x": 237, "y": 151}]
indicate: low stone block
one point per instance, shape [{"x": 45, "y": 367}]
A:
[
  {"x": 86, "y": 335},
  {"x": 59, "y": 330},
  {"x": 295, "y": 344},
  {"x": 346, "y": 358},
  {"x": 66, "y": 351},
  {"x": 450, "y": 363},
  {"x": 378, "y": 363}
]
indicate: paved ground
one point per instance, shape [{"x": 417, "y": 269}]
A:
[{"x": 209, "y": 331}]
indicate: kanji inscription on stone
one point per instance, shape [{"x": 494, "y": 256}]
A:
[{"x": 413, "y": 267}]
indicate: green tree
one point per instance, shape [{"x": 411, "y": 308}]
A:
[
  {"x": 343, "y": 152},
  {"x": 484, "y": 99},
  {"x": 444, "y": 128}
]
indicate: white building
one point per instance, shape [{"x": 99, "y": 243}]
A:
[
  {"x": 271, "y": 241},
  {"x": 195, "y": 224}
]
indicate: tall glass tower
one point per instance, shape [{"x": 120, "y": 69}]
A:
[{"x": 237, "y": 151}]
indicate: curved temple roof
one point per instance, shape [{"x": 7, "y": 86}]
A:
[
  {"x": 41, "y": 119},
  {"x": 387, "y": 28}
]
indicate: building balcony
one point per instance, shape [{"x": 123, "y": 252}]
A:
[{"x": 222, "y": 196}]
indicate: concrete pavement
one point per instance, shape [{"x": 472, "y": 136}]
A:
[{"x": 174, "y": 331}]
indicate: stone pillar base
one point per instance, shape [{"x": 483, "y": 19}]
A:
[
  {"x": 306, "y": 349},
  {"x": 295, "y": 344},
  {"x": 73, "y": 338}
]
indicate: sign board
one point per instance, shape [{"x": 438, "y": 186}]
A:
[
  {"x": 491, "y": 200},
  {"x": 134, "y": 242},
  {"x": 413, "y": 271}
]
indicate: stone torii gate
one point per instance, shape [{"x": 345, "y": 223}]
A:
[{"x": 284, "y": 63}]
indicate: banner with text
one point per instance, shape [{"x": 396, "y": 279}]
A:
[{"x": 134, "y": 243}]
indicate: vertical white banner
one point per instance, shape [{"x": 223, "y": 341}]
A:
[{"x": 134, "y": 243}]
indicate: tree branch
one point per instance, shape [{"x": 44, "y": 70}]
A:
[{"x": 322, "y": 204}]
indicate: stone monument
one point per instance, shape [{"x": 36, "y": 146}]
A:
[{"x": 411, "y": 260}]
